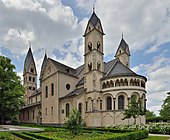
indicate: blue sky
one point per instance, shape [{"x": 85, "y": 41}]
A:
[{"x": 57, "y": 26}]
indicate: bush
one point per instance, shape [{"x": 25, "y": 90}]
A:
[
  {"x": 5, "y": 136},
  {"x": 75, "y": 122}
]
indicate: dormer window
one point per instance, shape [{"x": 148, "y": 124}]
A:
[
  {"x": 90, "y": 46},
  {"x": 120, "y": 52}
]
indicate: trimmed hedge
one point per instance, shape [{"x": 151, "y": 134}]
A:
[{"x": 23, "y": 136}]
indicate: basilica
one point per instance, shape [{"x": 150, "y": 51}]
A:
[{"x": 99, "y": 90}]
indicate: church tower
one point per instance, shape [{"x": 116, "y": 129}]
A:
[
  {"x": 123, "y": 53},
  {"x": 93, "y": 56},
  {"x": 30, "y": 76}
]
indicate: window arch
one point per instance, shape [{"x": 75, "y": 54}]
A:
[
  {"x": 89, "y": 46},
  {"x": 98, "y": 65},
  {"x": 117, "y": 83},
  {"x": 90, "y": 66},
  {"x": 104, "y": 85},
  {"x": 131, "y": 82},
  {"x": 67, "y": 109},
  {"x": 52, "y": 89},
  {"x": 108, "y": 103},
  {"x": 98, "y": 45},
  {"x": 125, "y": 82},
  {"x": 80, "y": 108},
  {"x": 121, "y": 102},
  {"x": 46, "y": 91}
]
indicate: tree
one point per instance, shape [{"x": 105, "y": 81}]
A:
[
  {"x": 11, "y": 91},
  {"x": 75, "y": 122},
  {"x": 165, "y": 111},
  {"x": 150, "y": 114},
  {"x": 135, "y": 109}
]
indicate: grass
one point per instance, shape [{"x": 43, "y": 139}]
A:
[{"x": 157, "y": 138}]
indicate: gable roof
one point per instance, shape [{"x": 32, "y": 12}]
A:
[
  {"x": 28, "y": 61},
  {"x": 63, "y": 68}
]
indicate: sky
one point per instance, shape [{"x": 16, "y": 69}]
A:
[{"x": 57, "y": 27}]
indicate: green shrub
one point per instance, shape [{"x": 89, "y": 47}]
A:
[
  {"x": 75, "y": 122},
  {"x": 5, "y": 136},
  {"x": 23, "y": 136}
]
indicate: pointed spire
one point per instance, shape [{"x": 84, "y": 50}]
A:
[
  {"x": 29, "y": 60},
  {"x": 122, "y": 35}
]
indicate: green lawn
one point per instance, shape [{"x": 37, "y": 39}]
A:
[{"x": 157, "y": 138}]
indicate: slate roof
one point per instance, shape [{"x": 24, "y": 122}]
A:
[
  {"x": 74, "y": 92},
  {"x": 63, "y": 68},
  {"x": 94, "y": 19},
  {"x": 119, "y": 70},
  {"x": 123, "y": 45},
  {"x": 43, "y": 65},
  {"x": 28, "y": 61}
]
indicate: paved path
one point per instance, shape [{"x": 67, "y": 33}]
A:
[
  {"x": 5, "y": 128},
  {"x": 159, "y": 135}
]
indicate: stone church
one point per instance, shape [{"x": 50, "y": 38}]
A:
[{"x": 99, "y": 90}]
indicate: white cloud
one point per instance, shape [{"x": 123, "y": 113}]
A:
[
  {"x": 142, "y": 22},
  {"x": 158, "y": 82}
]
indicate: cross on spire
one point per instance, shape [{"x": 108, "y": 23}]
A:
[
  {"x": 29, "y": 44},
  {"x": 93, "y": 8}
]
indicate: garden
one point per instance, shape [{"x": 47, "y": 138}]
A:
[{"x": 117, "y": 132}]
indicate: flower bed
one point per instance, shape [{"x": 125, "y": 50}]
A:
[{"x": 154, "y": 128}]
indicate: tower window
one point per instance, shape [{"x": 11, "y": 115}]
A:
[
  {"x": 90, "y": 46},
  {"x": 33, "y": 79},
  {"x": 33, "y": 88},
  {"x": 29, "y": 78},
  {"x": 98, "y": 45},
  {"x": 46, "y": 91},
  {"x": 98, "y": 66},
  {"x": 90, "y": 66},
  {"x": 32, "y": 70}
]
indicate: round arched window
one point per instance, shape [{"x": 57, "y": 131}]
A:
[{"x": 68, "y": 86}]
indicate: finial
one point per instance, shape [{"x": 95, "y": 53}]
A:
[
  {"x": 93, "y": 8},
  {"x": 122, "y": 35}
]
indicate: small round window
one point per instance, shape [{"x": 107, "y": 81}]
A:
[{"x": 68, "y": 86}]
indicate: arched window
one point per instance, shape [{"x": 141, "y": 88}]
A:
[
  {"x": 131, "y": 82},
  {"x": 121, "y": 102},
  {"x": 125, "y": 82},
  {"x": 98, "y": 45},
  {"x": 32, "y": 70},
  {"x": 104, "y": 85},
  {"x": 117, "y": 83},
  {"x": 109, "y": 103},
  {"x": 121, "y": 82},
  {"x": 90, "y": 46},
  {"x": 111, "y": 84},
  {"x": 107, "y": 84},
  {"x": 142, "y": 84},
  {"x": 80, "y": 108},
  {"x": 46, "y": 91},
  {"x": 67, "y": 109},
  {"x": 90, "y": 66},
  {"x": 98, "y": 66},
  {"x": 52, "y": 89}
]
